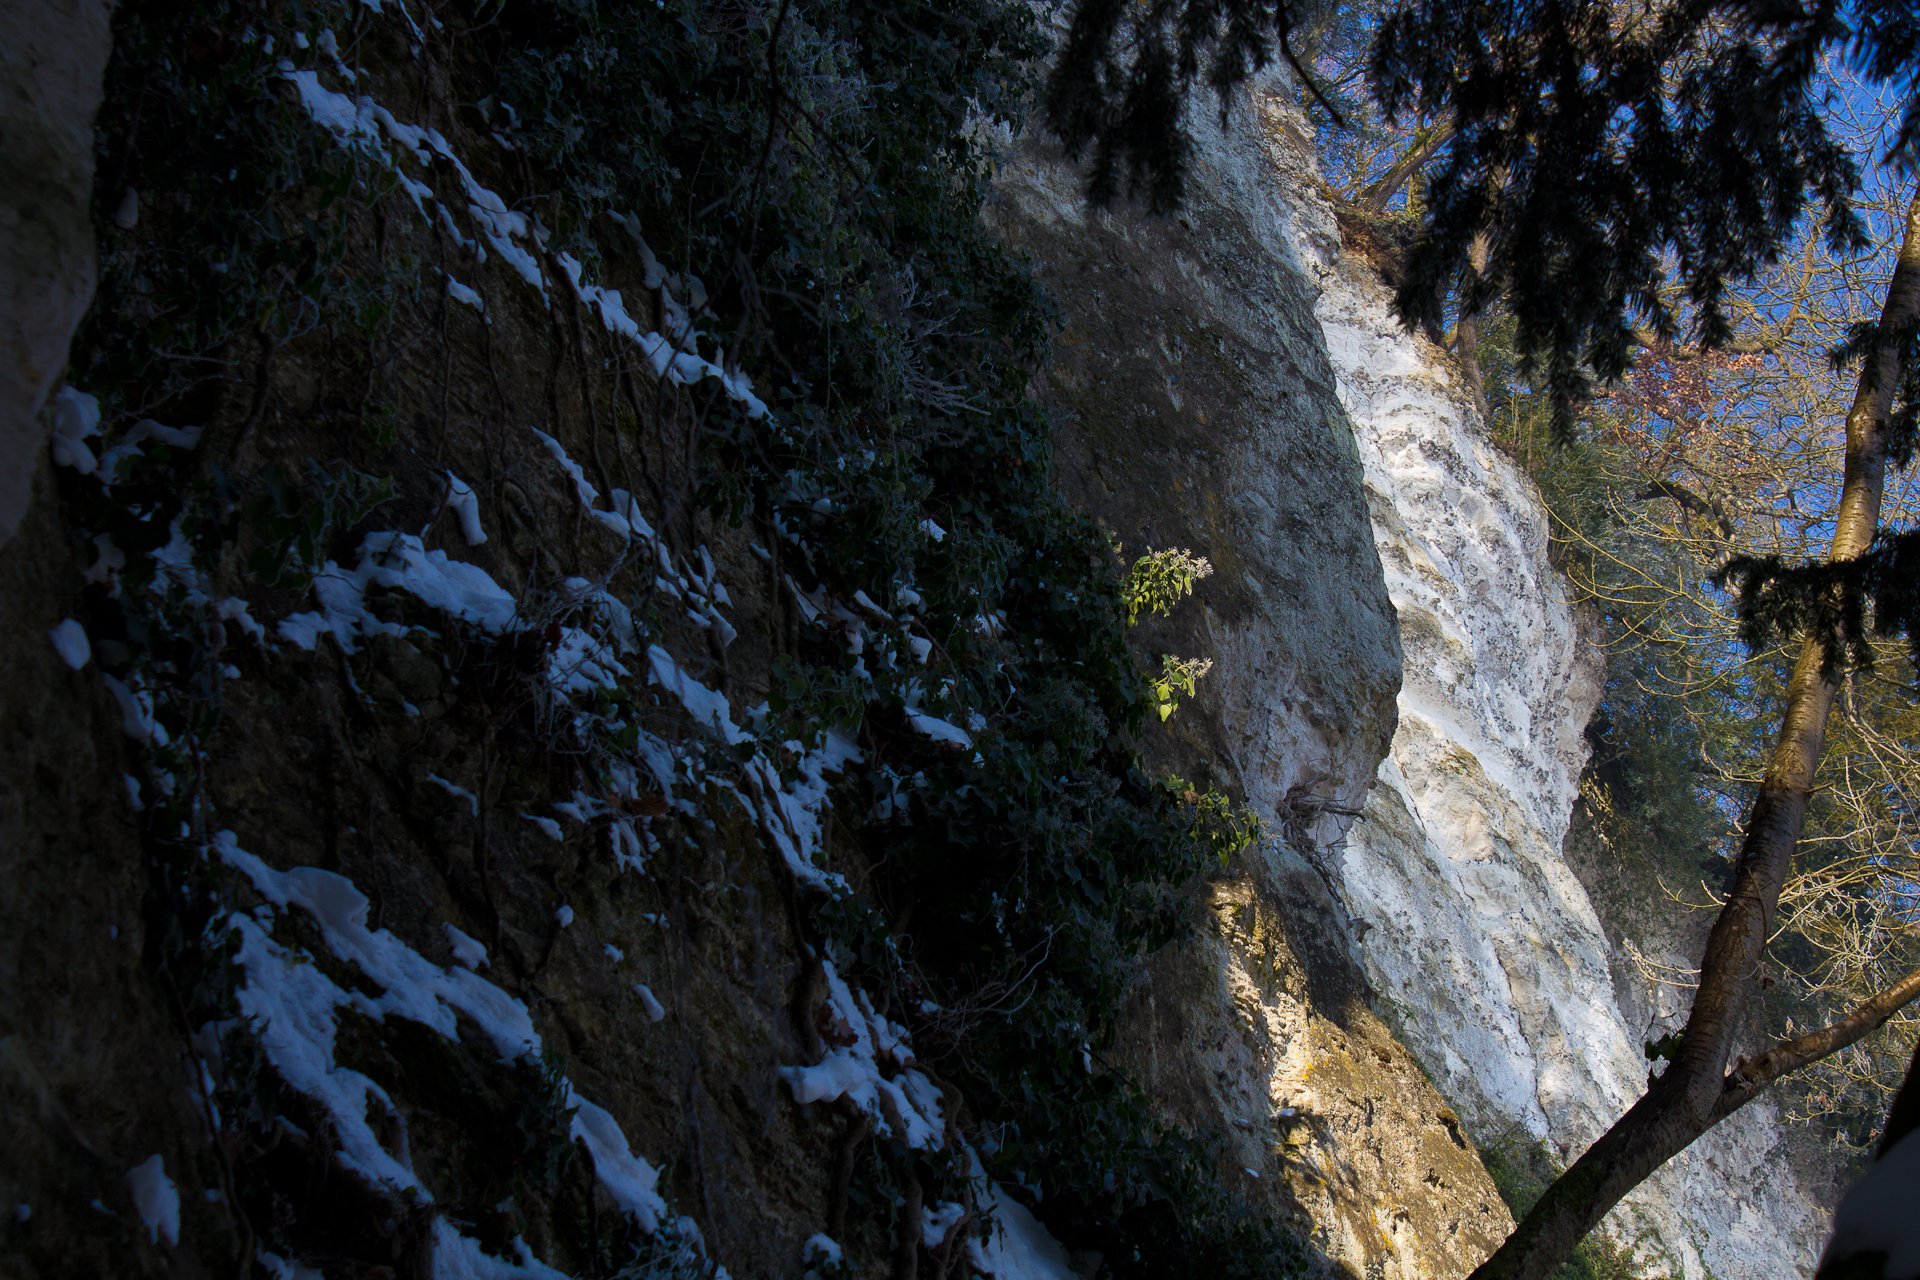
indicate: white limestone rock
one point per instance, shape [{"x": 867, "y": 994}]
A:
[{"x": 1480, "y": 934}]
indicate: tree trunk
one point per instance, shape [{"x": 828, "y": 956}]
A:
[
  {"x": 1685, "y": 1101},
  {"x": 1466, "y": 330},
  {"x": 1377, "y": 196}
]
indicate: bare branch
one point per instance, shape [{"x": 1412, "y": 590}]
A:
[
  {"x": 1429, "y": 140},
  {"x": 1751, "y": 1075}
]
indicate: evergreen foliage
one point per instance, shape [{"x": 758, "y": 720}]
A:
[
  {"x": 1609, "y": 157},
  {"x": 1118, "y": 88},
  {"x": 1846, "y": 604},
  {"x": 821, "y": 166},
  {"x": 1606, "y": 155}
]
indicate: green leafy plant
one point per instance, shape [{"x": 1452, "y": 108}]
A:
[
  {"x": 293, "y": 522},
  {"x": 1217, "y": 822},
  {"x": 1178, "y": 678},
  {"x": 1153, "y": 585},
  {"x": 1159, "y": 580}
]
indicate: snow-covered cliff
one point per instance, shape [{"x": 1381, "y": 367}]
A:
[{"x": 1473, "y": 927}]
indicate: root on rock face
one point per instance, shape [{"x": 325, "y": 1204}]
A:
[
  {"x": 850, "y": 1143},
  {"x": 906, "y": 1232}
]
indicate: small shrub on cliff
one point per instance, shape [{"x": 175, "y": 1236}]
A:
[{"x": 1159, "y": 580}]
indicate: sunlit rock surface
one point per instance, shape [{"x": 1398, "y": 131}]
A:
[
  {"x": 1216, "y": 374},
  {"x": 1474, "y": 930},
  {"x": 1198, "y": 409}
]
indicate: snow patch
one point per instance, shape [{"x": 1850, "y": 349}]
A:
[
  {"x": 947, "y": 735},
  {"x": 295, "y": 1011},
  {"x": 1017, "y": 1247},
  {"x": 630, "y": 1180},
  {"x": 156, "y": 1199},
  {"x": 859, "y": 1042},
  {"x": 519, "y": 241},
  {"x": 137, "y": 719},
  {"x": 76, "y": 420},
  {"x": 468, "y": 950},
  {"x": 822, "y": 1250},
  {"x": 461, "y": 499},
  {"x": 70, "y": 642},
  {"x": 396, "y": 561},
  {"x": 465, "y": 294},
  {"x": 938, "y": 1222},
  {"x": 457, "y": 1257},
  {"x": 458, "y": 792}
]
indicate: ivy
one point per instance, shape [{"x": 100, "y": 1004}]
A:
[
  {"x": 820, "y": 170},
  {"x": 816, "y": 172},
  {"x": 293, "y": 523}
]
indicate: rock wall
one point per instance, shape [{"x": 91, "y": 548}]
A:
[
  {"x": 396, "y": 819},
  {"x": 1198, "y": 409},
  {"x": 466, "y": 938},
  {"x": 1198, "y": 416},
  {"x": 1475, "y": 930},
  {"x": 52, "y": 54},
  {"x": 86, "y": 1042}
]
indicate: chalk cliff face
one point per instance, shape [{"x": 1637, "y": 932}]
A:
[
  {"x": 1475, "y": 930},
  {"x": 1198, "y": 408},
  {"x": 1203, "y": 410},
  {"x": 1471, "y": 917}
]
